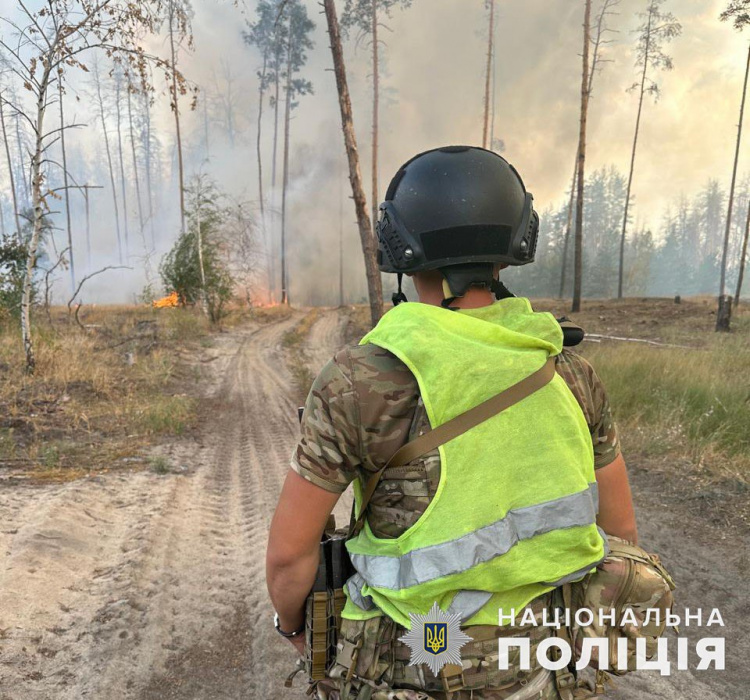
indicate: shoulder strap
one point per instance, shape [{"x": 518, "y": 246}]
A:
[{"x": 455, "y": 427}]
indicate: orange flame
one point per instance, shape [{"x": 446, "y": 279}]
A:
[{"x": 168, "y": 302}]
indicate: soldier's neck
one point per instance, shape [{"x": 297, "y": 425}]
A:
[{"x": 473, "y": 299}]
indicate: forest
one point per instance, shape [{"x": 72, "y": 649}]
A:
[{"x": 140, "y": 159}]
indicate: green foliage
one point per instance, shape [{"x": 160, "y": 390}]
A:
[
  {"x": 358, "y": 13},
  {"x": 282, "y": 34},
  {"x": 181, "y": 267},
  {"x": 13, "y": 256},
  {"x": 739, "y": 12}
]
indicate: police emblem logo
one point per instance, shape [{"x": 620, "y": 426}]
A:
[{"x": 435, "y": 639}]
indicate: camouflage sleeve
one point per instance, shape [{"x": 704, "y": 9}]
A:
[
  {"x": 328, "y": 452},
  {"x": 589, "y": 390}
]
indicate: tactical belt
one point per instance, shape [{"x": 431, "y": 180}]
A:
[{"x": 326, "y": 601}]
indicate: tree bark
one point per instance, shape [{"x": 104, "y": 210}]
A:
[
  {"x": 121, "y": 158},
  {"x": 285, "y": 176},
  {"x": 261, "y": 195},
  {"x": 136, "y": 178},
  {"x": 568, "y": 227},
  {"x": 743, "y": 261},
  {"x": 621, "y": 275},
  {"x": 375, "y": 111},
  {"x": 485, "y": 132},
  {"x": 369, "y": 247},
  {"x": 38, "y": 220},
  {"x": 176, "y": 109},
  {"x": 10, "y": 170},
  {"x": 577, "y": 284},
  {"x": 65, "y": 184},
  {"x": 600, "y": 29},
  {"x": 730, "y": 206},
  {"x": 272, "y": 242},
  {"x": 149, "y": 188},
  {"x": 21, "y": 160},
  {"x": 107, "y": 148}
]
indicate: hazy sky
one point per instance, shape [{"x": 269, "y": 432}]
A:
[
  {"x": 433, "y": 83},
  {"x": 434, "y": 70}
]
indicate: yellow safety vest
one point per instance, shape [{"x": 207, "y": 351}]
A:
[{"x": 515, "y": 510}]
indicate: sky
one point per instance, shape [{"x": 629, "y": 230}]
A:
[{"x": 433, "y": 70}]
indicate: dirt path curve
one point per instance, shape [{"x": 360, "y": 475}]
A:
[
  {"x": 146, "y": 587},
  {"x": 140, "y": 586}
]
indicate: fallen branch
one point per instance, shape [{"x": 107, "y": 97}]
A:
[
  {"x": 89, "y": 276},
  {"x": 596, "y": 338}
]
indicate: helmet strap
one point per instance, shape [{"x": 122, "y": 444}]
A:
[
  {"x": 500, "y": 290},
  {"x": 399, "y": 296}
]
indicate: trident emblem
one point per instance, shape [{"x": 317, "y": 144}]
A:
[{"x": 435, "y": 637}]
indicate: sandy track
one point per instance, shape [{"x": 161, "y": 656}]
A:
[
  {"x": 145, "y": 587},
  {"x": 140, "y": 586}
]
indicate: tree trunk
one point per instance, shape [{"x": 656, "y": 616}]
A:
[
  {"x": 577, "y": 283},
  {"x": 109, "y": 161},
  {"x": 199, "y": 241},
  {"x": 261, "y": 94},
  {"x": 488, "y": 80},
  {"x": 136, "y": 179},
  {"x": 743, "y": 261},
  {"x": 21, "y": 159},
  {"x": 724, "y": 314},
  {"x": 67, "y": 191},
  {"x": 728, "y": 229},
  {"x": 37, "y": 205},
  {"x": 285, "y": 180},
  {"x": 272, "y": 242},
  {"x": 369, "y": 247},
  {"x": 621, "y": 274},
  {"x": 568, "y": 228},
  {"x": 259, "y": 150},
  {"x": 341, "y": 246},
  {"x": 176, "y": 109},
  {"x": 600, "y": 28},
  {"x": 10, "y": 170},
  {"x": 121, "y": 158},
  {"x": 375, "y": 111},
  {"x": 149, "y": 188}
]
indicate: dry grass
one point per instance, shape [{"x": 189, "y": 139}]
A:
[
  {"x": 294, "y": 342},
  {"x": 99, "y": 397}
]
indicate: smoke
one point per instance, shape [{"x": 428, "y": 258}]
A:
[{"x": 433, "y": 82}]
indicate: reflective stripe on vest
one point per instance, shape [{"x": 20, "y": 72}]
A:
[{"x": 423, "y": 565}]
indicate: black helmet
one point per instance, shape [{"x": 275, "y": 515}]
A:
[{"x": 458, "y": 209}]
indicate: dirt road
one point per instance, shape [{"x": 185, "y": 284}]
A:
[{"x": 139, "y": 586}]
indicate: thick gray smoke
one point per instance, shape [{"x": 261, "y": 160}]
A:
[{"x": 433, "y": 82}]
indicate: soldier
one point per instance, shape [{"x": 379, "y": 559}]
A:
[{"x": 493, "y": 519}]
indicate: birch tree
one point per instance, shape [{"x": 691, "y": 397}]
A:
[
  {"x": 366, "y": 16},
  {"x": 39, "y": 51},
  {"x": 657, "y": 29},
  {"x": 367, "y": 236}
]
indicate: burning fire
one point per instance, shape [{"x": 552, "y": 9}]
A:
[{"x": 168, "y": 302}]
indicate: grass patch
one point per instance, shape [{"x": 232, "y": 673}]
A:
[
  {"x": 160, "y": 465},
  {"x": 100, "y": 396},
  {"x": 695, "y": 403},
  {"x": 294, "y": 342}
]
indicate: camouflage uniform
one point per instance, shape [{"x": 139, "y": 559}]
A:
[{"x": 364, "y": 405}]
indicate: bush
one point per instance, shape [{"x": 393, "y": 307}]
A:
[{"x": 181, "y": 267}]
